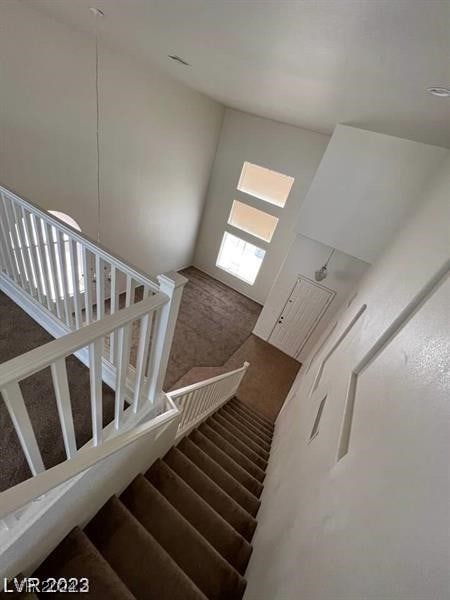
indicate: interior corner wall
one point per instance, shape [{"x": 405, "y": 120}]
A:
[
  {"x": 373, "y": 524},
  {"x": 157, "y": 139},
  {"x": 304, "y": 257},
  {"x": 284, "y": 148}
]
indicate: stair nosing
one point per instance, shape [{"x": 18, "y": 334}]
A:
[
  {"x": 253, "y": 479},
  {"x": 258, "y": 441},
  {"x": 221, "y": 491},
  {"x": 254, "y": 465},
  {"x": 262, "y": 454},
  {"x": 235, "y": 481}
]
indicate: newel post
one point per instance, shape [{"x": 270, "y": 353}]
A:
[{"x": 172, "y": 285}]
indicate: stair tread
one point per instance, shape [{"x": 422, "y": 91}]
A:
[
  {"x": 236, "y": 454},
  {"x": 238, "y": 443},
  {"x": 248, "y": 425},
  {"x": 235, "y": 489},
  {"x": 240, "y": 435},
  {"x": 212, "y": 574},
  {"x": 236, "y": 424},
  {"x": 77, "y": 557},
  {"x": 227, "y": 541},
  {"x": 212, "y": 493},
  {"x": 245, "y": 417},
  {"x": 254, "y": 413},
  {"x": 227, "y": 463},
  {"x": 144, "y": 566}
]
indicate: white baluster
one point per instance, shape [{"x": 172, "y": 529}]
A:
[
  {"x": 14, "y": 244},
  {"x": 61, "y": 386},
  {"x": 123, "y": 357},
  {"x": 73, "y": 258},
  {"x": 100, "y": 287},
  {"x": 63, "y": 275},
  {"x": 87, "y": 286},
  {"x": 53, "y": 272},
  {"x": 41, "y": 249},
  {"x": 19, "y": 415},
  {"x": 114, "y": 306},
  {"x": 5, "y": 243},
  {"x": 95, "y": 373},
  {"x": 145, "y": 326},
  {"x": 34, "y": 259}
]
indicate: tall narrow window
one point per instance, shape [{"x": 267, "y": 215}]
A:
[
  {"x": 240, "y": 258},
  {"x": 253, "y": 221},
  {"x": 265, "y": 184}
]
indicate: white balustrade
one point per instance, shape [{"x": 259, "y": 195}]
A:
[{"x": 197, "y": 401}]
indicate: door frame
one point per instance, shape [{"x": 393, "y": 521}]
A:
[{"x": 320, "y": 315}]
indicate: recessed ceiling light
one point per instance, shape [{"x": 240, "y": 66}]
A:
[
  {"x": 442, "y": 92},
  {"x": 179, "y": 60}
]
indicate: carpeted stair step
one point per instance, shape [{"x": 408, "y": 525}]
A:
[
  {"x": 214, "y": 528},
  {"x": 254, "y": 413},
  {"x": 212, "y": 493},
  {"x": 142, "y": 564},
  {"x": 210, "y": 572},
  {"x": 77, "y": 557},
  {"x": 238, "y": 433},
  {"x": 250, "y": 422},
  {"x": 249, "y": 426},
  {"x": 246, "y": 419},
  {"x": 215, "y": 424},
  {"x": 233, "y": 468},
  {"x": 257, "y": 439},
  {"x": 228, "y": 483},
  {"x": 235, "y": 454},
  {"x": 251, "y": 414}
]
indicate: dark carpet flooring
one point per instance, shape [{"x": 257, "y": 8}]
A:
[{"x": 213, "y": 322}]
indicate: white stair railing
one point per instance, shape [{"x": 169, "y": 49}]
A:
[
  {"x": 62, "y": 270},
  {"x": 197, "y": 401},
  {"x": 125, "y": 429}
]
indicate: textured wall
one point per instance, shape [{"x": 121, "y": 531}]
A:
[
  {"x": 158, "y": 139},
  {"x": 375, "y": 523}
]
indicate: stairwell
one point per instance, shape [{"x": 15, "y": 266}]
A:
[{"x": 184, "y": 529}]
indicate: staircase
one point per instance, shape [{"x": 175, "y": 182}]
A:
[{"x": 183, "y": 531}]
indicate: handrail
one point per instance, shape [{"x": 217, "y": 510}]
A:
[
  {"x": 82, "y": 238},
  {"x": 23, "y": 493},
  {"x": 205, "y": 382},
  {"x": 197, "y": 401},
  {"x": 35, "y": 360}
]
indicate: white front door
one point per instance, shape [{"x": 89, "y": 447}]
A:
[{"x": 300, "y": 315}]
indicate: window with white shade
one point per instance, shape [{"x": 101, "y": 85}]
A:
[
  {"x": 240, "y": 258},
  {"x": 253, "y": 221},
  {"x": 265, "y": 184}
]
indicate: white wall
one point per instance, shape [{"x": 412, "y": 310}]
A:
[
  {"x": 374, "y": 525},
  {"x": 284, "y": 148},
  {"x": 364, "y": 188},
  {"x": 306, "y": 256},
  {"x": 158, "y": 139}
]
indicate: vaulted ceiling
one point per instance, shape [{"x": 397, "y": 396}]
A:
[{"x": 311, "y": 63}]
